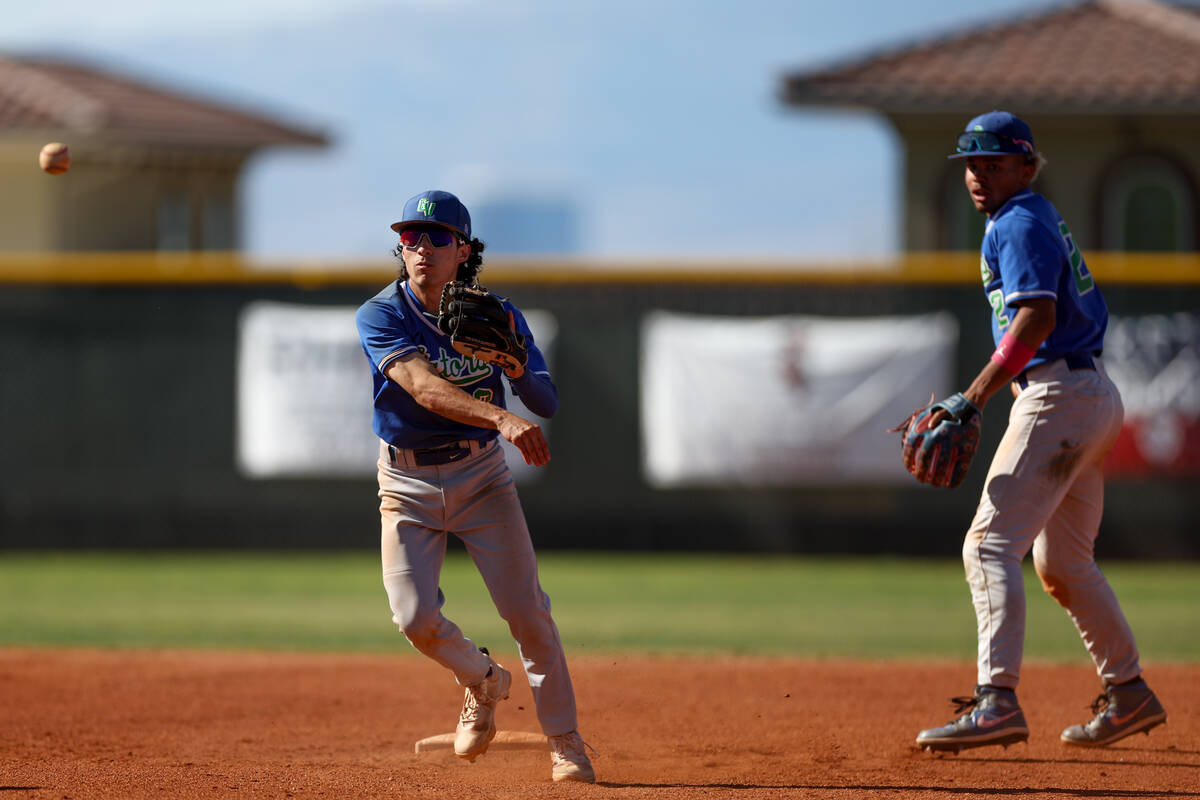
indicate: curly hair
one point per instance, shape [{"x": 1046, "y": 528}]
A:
[
  {"x": 467, "y": 270},
  {"x": 1038, "y": 161}
]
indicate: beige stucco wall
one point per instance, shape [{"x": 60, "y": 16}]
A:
[
  {"x": 27, "y": 196},
  {"x": 111, "y": 197},
  {"x": 1079, "y": 149}
]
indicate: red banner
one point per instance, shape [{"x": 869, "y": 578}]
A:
[{"x": 1155, "y": 361}]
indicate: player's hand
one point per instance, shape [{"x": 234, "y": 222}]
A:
[
  {"x": 528, "y": 438},
  {"x": 975, "y": 399},
  {"x": 939, "y": 441}
]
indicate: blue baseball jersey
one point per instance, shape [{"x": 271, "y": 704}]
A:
[
  {"x": 394, "y": 324},
  {"x": 1028, "y": 253}
]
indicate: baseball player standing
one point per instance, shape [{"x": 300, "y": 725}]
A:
[
  {"x": 438, "y": 415},
  {"x": 1045, "y": 487}
]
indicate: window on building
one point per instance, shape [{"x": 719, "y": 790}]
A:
[
  {"x": 1149, "y": 205},
  {"x": 174, "y": 221},
  {"x": 218, "y": 222}
]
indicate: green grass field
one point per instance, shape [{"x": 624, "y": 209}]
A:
[{"x": 603, "y": 602}]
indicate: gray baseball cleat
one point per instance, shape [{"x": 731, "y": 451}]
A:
[
  {"x": 1120, "y": 711},
  {"x": 477, "y": 721},
  {"x": 569, "y": 760},
  {"x": 992, "y": 716}
]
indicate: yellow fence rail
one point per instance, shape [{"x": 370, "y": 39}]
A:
[{"x": 186, "y": 269}]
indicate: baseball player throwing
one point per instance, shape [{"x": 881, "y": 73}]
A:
[
  {"x": 1045, "y": 487},
  {"x": 438, "y": 414}
]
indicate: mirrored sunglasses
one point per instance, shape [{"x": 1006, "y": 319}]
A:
[
  {"x": 988, "y": 142},
  {"x": 438, "y": 237}
]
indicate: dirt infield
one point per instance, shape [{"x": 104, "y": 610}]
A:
[{"x": 82, "y": 724}]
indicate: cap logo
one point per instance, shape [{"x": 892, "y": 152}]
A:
[
  {"x": 979, "y": 127},
  {"x": 424, "y": 206}
]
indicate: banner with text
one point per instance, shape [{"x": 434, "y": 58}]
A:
[{"x": 785, "y": 401}]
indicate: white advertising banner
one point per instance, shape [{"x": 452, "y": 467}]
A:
[
  {"x": 304, "y": 393},
  {"x": 788, "y": 400}
]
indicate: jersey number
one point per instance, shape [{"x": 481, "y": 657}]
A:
[
  {"x": 996, "y": 298},
  {"x": 985, "y": 272},
  {"x": 1083, "y": 279}
]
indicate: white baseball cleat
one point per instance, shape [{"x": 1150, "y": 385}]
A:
[
  {"x": 477, "y": 722},
  {"x": 568, "y": 759}
]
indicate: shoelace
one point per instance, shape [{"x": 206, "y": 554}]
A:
[
  {"x": 964, "y": 703},
  {"x": 476, "y": 696},
  {"x": 1100, "y": 704},
  {"x": 570, "y": 744}
]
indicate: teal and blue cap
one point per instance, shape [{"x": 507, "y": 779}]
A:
[
  {"x": 435, "y": 207},
  {"x": 996, "y": 133}
]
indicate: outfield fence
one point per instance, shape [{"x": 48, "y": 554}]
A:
[{"x": 119, "y": 405}]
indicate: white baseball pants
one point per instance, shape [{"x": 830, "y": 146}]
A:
[
  {"x": 1045, "y": 490},
  {"x": 475, "y": 499}
]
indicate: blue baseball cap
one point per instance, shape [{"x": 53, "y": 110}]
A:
[
  {"x": 996, "y": 133},
  {"x": 435, "y": 207}
]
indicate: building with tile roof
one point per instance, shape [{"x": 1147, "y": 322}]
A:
[
  {"x": 1111, "y": 89},
  {"x": 152, "y": 168}
]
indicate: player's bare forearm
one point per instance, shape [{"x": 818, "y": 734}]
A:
[
  {"x": 990, "y": 380},
  {"x": 1033, "y": 322},
  {"x": 433, "y": 392}
]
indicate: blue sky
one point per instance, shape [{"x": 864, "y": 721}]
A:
[{"x": 657, "y": 124}]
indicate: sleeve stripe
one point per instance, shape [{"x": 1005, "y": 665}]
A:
[
  {"x": 383, "y": 362},
  {"x": 1026, "y": 295}
]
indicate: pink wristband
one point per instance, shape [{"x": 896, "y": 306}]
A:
[{"x": 1012, "y": 354}]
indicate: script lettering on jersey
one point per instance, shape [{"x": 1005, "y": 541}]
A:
[{"x": 457, "y": 368}]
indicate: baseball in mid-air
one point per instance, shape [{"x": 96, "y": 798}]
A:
[{"x": 55, "y": 158}]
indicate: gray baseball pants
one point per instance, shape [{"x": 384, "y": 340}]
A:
[
  {"x": 1045, "y": 491},
  {"x": 476, "y": 500}
]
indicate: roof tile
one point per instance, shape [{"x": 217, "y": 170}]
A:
[
  {"x": 48, "y": 94},
  {"x": 1108, "y": 55}
]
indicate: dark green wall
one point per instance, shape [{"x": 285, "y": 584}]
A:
[{"x": 117, "y": 430}]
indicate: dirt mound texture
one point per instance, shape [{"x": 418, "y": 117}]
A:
[{"x": 152, "y": 724}]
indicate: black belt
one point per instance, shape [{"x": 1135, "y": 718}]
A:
[
  {"x": 432, "y": 456},
  {"x": 1074, "y": 361}
]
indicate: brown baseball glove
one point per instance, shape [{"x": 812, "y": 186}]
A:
[
  {"x": 481, "y": 327},
  {"x": 941, "y": 454}
]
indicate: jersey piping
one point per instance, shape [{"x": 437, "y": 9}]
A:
[
  {"x": 1008, "y": 298},
  {"x": 418, "y": 309}
]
